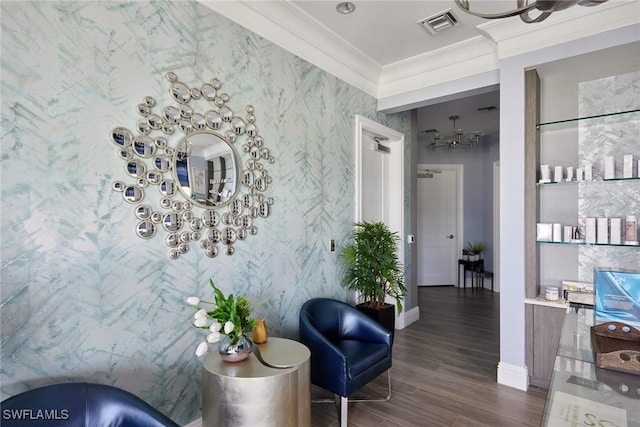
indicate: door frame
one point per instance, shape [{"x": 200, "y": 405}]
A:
[
  {"x": 496, "y": 226},
  {"x": 459, "y": 186},
  {"x": 395, "y": 200}
]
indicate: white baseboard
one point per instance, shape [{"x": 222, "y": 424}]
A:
[
  {"x": 195, "y": 423},
  {"x": 513, "y": 376},
  {"x": 406, "y": 318}
]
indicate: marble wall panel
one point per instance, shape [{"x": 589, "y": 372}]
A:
[{"x": 609, "y": 136}]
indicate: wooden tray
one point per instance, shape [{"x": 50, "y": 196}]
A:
[{"x": 615, "y": 349}]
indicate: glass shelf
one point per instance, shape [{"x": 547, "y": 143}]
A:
[
  {"x": 594, "y": 181},
  {"x": 576, "y": 119},
  {"x": 587, "y": 244}
]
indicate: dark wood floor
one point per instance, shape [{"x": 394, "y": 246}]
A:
[{"x": 444, "y": 371}]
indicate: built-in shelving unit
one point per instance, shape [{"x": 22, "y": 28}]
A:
[{"x": 574, "y": 141}]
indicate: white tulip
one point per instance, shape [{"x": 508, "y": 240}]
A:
[
  {"x": 193, "y": 300},
  {"x": 201, "y": 322},
  {"x": 229, "y": 327},
  {"x": 200, "y": 313},
  {"x": 202, "y": 348},
  {"x": 213, "y": 337},
  {"x": 215, "y": 327}
]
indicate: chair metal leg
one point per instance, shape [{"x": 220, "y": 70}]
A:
[
  {"x": 342, "y": 402},
  {"x": 380, "y": 399}
]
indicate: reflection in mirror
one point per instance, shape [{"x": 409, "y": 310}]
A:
[
  {"x": 154, "y": 177},
  {"x": 162, "y": 163},
  {"x": 126, "y": 154},
  {"x": 146, "y": 230},
  {"x": 168, "y": 188},
  {"x": 144, "y": 145},
  {"x": 172, "y": 222},
  {"x": 133, "y": 194},
  {"x": 136, "y": 169},
  {"x": 172, "y": 240},
  {"x": 121, "y": 136},
  {"x": 143, "y": 212},
  {"x": 165, "y": 202},
  {"x": 213, "y": 236},
  {"x": 242, "y": 234},
  {"x": 210, "y": 218},
  {"x": 206, "y": 168},
  {"x": 211, "y": 251}
]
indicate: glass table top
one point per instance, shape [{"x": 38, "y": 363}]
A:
[{"x": 581, "y": 394}]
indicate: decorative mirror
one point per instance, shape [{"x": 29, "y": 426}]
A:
[{"x": 209, "y": 190}]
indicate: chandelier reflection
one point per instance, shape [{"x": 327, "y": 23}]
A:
[
  {"x": 523, "y": 7},
  {"x": 457, "y": 139}
]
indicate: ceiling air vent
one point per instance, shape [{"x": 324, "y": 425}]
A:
[{"x": 438, "y": 22}]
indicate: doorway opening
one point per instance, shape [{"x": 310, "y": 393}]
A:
[{"x": 379, "y": 186}]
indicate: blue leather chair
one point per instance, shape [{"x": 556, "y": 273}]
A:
[
  {"x": 348, "y": 349},
  {"x": 80, "y": 405}
]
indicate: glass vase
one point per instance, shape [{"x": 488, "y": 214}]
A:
[{"x": 234, "y": 349}]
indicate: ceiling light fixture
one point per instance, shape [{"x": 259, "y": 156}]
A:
[
  {"x": 345, "y": 7},
  {"x": 457, "y": 139},
  {"x": 545, "y": 7}
]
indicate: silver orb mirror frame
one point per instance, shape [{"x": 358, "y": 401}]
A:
[{"x": 208, "y": 193}]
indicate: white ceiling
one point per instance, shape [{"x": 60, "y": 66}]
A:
[
  {"x": 380, "y": 48},
  {"x": 387, "y": 31}
]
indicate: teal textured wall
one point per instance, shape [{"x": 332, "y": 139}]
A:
[{"x": 82, "y": 297}]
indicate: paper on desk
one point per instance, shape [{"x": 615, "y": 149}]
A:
[{"x": 573, "y": 411}]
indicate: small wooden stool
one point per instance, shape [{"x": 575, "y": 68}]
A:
[{"x": 481, "y": 275}]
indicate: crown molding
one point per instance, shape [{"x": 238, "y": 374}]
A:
[
  {"x": 513, "y": 37},
  {"x": 295, "y": 31},
  {"x": 470, "y": 57},
  {"x": 289, "y": 27}
]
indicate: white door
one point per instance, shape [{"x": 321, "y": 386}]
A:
[
  {"x": 437, "y": 227},
  {"x": 375, "y": 169}
]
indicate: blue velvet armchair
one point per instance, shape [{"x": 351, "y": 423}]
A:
[
  {"x": 348, "y": 349},
  {"x": 80, "y": 405}
]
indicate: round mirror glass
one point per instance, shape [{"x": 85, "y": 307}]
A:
[
  {"x": 144, "y": 145},
  {"x": 206, "y": 169},
  {"x": 146, "y": 230},
  {"x": 133, "y": 194},
  {"x": 136, "y": 169}
]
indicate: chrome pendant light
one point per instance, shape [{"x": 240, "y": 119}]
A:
[
  {"x": 458, "y": 138},
  {"x": 544, "y": 7}
]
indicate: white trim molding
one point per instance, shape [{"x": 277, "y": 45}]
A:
[
  {"x": 287, "y": 26},
  {"x": 410, "y": 316},
  {"x": 291, "y": 28},
  {"x": 513, "y": 38},
  {"x": 467, "y": 58},
  {"x": 513, "y": 376}
]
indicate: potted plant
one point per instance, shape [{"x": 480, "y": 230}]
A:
[
  {"x": 372, "y": 268},
  {"x": 227, "y": 321},
  {"x": 475, "y": 249}
]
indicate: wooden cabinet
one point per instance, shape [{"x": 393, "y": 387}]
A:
[{"x": 542, "y": 341}]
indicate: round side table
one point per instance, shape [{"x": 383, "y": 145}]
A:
[{"x": 269, "y": 389}]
